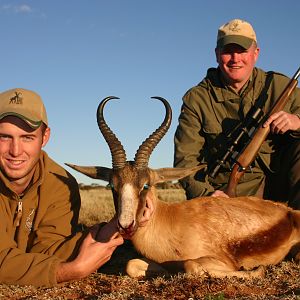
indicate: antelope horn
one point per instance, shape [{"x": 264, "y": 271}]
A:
[
  {"x": 143, "y": 153},
  {"x": 117, "y": 151}
]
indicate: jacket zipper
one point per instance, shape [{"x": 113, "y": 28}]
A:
[{"x": 18, "y": 214}]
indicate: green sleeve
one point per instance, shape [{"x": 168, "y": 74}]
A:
[{"x": 188, "y": 145}]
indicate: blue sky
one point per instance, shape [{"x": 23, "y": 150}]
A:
[{"x": 75, "y": 52}]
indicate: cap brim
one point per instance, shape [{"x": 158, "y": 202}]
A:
[
  {"x": 31, "y": 123},
  {"x": 235, "y": 39}
]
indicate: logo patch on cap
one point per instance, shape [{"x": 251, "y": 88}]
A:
[
  {"x": 234, "y": 27},
  {"x": 17, "y": 99}
]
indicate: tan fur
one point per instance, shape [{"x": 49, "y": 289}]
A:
[
  {"x": 219, "y": 236},
  {"x": 214, "y": 235}
]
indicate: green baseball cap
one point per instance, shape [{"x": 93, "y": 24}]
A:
[
  {"x": 24, "y": 104},
  {"x": 236, "y": 32}
]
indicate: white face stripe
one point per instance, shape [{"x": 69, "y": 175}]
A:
[{"x": 126, "y": 207}]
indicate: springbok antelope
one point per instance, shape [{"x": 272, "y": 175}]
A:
[{"x": 219, "y": 236}]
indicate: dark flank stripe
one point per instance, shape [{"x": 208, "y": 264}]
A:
[{"x": 264, "y": 241}]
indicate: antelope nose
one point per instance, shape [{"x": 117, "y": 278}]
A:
[{"x": 128, "y": 229}]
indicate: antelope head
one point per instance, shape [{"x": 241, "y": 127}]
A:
[{"x": 130, "y": 180}]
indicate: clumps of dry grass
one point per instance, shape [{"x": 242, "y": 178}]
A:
[
  {"x": 97, "y": 203},
  {"x": 96, "y": 206},
  {"x": 193, "y": 287},
  {"x": 171, "y": 195},
  {"x": 110, "y": 283}
]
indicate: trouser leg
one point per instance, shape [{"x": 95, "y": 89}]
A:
[{"x": 284, "y": 185}]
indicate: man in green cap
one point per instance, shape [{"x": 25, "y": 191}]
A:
[
  {"x": 41, "y": 243},
  {"x": 224, "y": 98}
]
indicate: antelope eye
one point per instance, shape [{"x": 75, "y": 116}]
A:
[{"x": 146, "y": 186}]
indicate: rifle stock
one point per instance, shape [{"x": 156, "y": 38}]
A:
[{"x": 248, "y": 154}]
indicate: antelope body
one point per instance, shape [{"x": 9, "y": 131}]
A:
[{"x": 214, "y": 235}]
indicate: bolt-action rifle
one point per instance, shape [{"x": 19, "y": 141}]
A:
[{"x": 255, "y": 134}]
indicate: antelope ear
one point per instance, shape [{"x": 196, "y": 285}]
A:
[
  {"x": 169, "y": 174},
  {"x": 93, "y": 172}
]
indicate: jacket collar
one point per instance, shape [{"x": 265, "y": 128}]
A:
[{"x": 225, "y": 93}]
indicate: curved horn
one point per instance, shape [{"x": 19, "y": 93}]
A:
[
  {"x": 117, "y": 151},
  {"x": 143, "y": 153}
]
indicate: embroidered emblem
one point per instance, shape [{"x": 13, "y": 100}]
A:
[
  {"x": 29, "y": 219},
  {"x": 234, "y": 27},
  {"x": 17, "y": 99}
]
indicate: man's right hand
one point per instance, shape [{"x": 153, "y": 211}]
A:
[{"x": 95, "y": 251}]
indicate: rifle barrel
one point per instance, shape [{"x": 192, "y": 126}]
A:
[{"x": 297, "y": 74}]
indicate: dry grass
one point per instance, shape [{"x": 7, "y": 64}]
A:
[
  {"x": 97, "y": 203},
  {"x": 96, "y": 206},
  {"x": 281, "y": 282}
]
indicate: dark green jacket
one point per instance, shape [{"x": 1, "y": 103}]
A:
[
  {"x": 209, "y": 113},
  {"x": 41, "y": 233}
]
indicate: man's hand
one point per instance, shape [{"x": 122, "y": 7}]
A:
[
  {"x": 281, "y": 122},
  {"x": 95, "y": 251},
  {"x": 218, "y": 193}
]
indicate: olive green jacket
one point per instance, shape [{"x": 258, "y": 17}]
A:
[
  {"x": 210, "y": 111},
  {"x": 38, "y": 229}
]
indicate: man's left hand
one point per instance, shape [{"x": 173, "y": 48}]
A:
[{"x": 281, "y": 122}]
